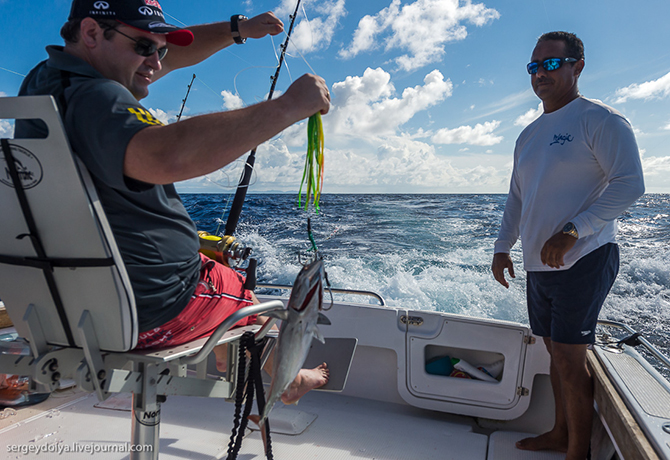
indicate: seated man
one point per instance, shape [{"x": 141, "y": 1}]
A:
[{"x": 113, "y": 51}]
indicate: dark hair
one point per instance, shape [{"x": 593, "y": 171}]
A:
[
  {"x": 70, "y": 30},
  {"x": 574, "y": 47}
]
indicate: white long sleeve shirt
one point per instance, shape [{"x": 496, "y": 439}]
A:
[{"x": 578, "y": 164}]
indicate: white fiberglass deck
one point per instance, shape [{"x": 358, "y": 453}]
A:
[{"x": 197, "y": 428}]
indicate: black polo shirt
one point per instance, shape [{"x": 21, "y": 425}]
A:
[{"x": 154, "y": 233}]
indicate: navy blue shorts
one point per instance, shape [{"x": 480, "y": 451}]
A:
[{"x": 564, "y": 304}]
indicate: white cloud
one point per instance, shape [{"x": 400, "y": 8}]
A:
[
  {"x": 400, "y": 164},
  {"x": 667, "y": 127},
  {"x": 656, "y": 167},
  {"x": 404, "y": 165},
  {"x": 530, "y": 116},
  {"x": 231, "y": 101},
  {"x": 365, "y": 106},
  {"x": 656, "y": 174},
  {"x": 419, "y": 29},
  {"x": 655, "y": 89},
  {"x": 276, "y": 168},
  {"x": 481, "y": 134},
  {"x": 6, "y": 129},
  {"x": 369, "y": 150},
  {"x": 315, "y": 33},
  {"x": 162, "y": 116}
]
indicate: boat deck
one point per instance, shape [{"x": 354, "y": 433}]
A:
[{"x": 324, "y": 425}]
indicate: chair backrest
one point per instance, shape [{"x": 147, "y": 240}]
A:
[{"x": 69, "y": 263}]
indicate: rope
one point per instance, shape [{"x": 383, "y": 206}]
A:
[{"x": 253, "y": 384}]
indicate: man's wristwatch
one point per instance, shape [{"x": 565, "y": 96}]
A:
[
  {"x": 235, "y": 28},
  {"x": 571, "y": 230}
]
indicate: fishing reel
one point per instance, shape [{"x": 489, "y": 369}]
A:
[{"x": 224, "y": 249}]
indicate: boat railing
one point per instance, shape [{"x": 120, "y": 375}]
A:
[
  {"x": 372, "y": 294},
  {"x": 639, "y": 339}
]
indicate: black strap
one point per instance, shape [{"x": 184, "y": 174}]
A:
[
  {"x": 35, "y": 239},
  {"x": 65, "y": 83},
  {"x": 54, "y": 262}
]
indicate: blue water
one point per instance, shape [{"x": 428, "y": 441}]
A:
[{"x": 433, "y": 252}]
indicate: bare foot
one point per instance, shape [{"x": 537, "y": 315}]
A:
[
  {"x": 307, "y": 379},
  {"x": 221, "y": 353},
  {"x": 546, "y": 441}
]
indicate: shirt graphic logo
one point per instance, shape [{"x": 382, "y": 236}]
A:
[
  {"x": 562, "y": 138},
  {"x": 585, "y": 333},
  {"x": 145, "y": 116}
]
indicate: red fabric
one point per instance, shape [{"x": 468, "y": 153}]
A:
[{"x": 219, "y": 294}]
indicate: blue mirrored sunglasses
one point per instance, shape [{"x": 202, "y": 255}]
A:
[{"x": 549, "y": 64}]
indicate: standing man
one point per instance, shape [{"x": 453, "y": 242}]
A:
[
  {"x": 115, "y": 49},
  {"x": 576, "y": 168}
]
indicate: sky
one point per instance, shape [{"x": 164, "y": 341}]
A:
[{"x": 428, "y": 96}]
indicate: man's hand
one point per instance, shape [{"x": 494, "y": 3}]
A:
[
  {"x": 307, "y": 95},
  {"x": 555, "y": 248},
  {"x": 502, "y": 261},
  {"x": 261, "y": 25}
]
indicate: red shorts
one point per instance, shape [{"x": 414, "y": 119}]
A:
[{"x": 219, "y": 294}]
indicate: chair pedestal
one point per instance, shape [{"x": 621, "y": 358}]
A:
[{"x": 145, "y": 429}]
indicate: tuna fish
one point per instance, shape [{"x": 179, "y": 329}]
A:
[{"x": 299, "y": 327}]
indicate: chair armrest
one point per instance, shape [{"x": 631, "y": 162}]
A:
[{"x": 228, "y": 323}]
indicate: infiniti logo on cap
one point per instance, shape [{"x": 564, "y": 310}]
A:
[
  {"x": 101, "y": 5},
  {"x": 145, "y": 10}
]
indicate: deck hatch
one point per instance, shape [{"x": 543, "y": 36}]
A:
[{"x": 471, "y": 340}]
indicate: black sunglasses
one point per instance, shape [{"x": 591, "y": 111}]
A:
[
  {"x": 548, "y": 64},
  {"x": 143, "y": 47}
]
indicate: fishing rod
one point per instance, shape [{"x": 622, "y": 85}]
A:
[
  {"x": 183, "y": 102},
  {"x": 241, "y": 193}
]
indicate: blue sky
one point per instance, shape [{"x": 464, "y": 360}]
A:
[{"x": 429, "y": 96}]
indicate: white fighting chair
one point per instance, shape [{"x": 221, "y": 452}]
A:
[{"x": 66, "y": 290}]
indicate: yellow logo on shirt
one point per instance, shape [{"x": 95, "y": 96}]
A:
[{"x": 145, "y": 116}]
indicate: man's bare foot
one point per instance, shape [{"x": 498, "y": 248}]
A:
[
  {"x": 546, "y": 441},
  {"x": 307, "y": 379}
]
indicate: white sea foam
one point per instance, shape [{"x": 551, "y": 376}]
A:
[{"x": 434, "y": 253}]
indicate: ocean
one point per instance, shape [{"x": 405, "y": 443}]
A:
[{"x": 434, "y": 252}]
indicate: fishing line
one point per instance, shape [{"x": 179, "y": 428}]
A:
[
  {"x": 11, "y": 71},
  {"x": 303, "y": 57},
  {"x": 237, "y": 93},
  {"x": 208, "y": 87},
  {"x": 236, "y": 209},
  {"x": 309, "y": 26},
  {"x": 290, "y": 77},
  {"x": 174, "y": 19}
]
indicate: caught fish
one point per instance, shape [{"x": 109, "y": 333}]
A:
[{"x": 299, "y": 327}]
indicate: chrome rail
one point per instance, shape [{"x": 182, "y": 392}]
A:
[
  {"x": 379, "y": 298},
  {"x": 643, "y": 341}
]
